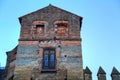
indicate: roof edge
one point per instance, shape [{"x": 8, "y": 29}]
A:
[{"x": 50, "y": 5}]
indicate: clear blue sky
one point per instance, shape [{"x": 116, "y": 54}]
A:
[{"x": 100, "y": 29}]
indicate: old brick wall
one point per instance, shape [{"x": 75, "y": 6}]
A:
[
  {"x": 29, "y": 58},
  {"x": 50, "y": 14},
  {"x": 71, "y": 59},
  {"x": 67, "y": 46},
  {"x": 10, "y": 63}
]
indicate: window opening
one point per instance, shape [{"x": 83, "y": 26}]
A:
[
  {"x": 61, "y": 28},
  {"x": 49, "y": 58},
  {"x": 40, "y": 28}
]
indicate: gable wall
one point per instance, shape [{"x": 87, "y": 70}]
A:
[
  {"x": 68, "y": 48},
  {"x": 50, "y": 16}
]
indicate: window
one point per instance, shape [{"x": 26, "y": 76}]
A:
[
  {"x": 40, "y": 28},
  {"x": 61, "y": 27},
  {"x": 49, "y": 59}
]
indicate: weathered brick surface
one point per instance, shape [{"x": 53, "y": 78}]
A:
[
  {"x": 69, "y": 57},
  {"x": 10, "y": 65},
  {"x": 50, "y": 15},
  {"x": 28, "y": 43},
  {"x": 60, "y": 75},
  {"x": 28, "y": 60}
]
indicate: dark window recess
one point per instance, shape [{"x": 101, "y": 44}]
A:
[
  {"x": 61, "y": 28},
  {"x": 49, "y": 60},
  {"x": 40, "y": 28},
  {"x": 11, "y": 78}
]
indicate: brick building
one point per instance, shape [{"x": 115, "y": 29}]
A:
[{"x": 49, "y": 47}]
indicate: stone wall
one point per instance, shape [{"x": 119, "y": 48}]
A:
[
  {"x": 71, "y": 59},
  {"x": 10, "y": 63},
  {"x": 29, "y": 60}
]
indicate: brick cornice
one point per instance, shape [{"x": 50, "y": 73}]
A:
[{"x": 44, "y": 39}]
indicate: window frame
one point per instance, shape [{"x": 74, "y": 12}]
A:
[
  {"x": 49, "y": 69},
  {"x": 34, "y": 27},
  {"x": 38, "y": 26},
  {"x": 61, "y": 25}
]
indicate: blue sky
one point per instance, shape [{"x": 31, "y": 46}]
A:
[{"x": 100, "y": 28}]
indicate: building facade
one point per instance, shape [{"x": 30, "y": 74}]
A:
[{"x": 49, "y": 47}]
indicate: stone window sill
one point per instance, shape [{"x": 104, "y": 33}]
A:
[{"x": 48, "y": 71}]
